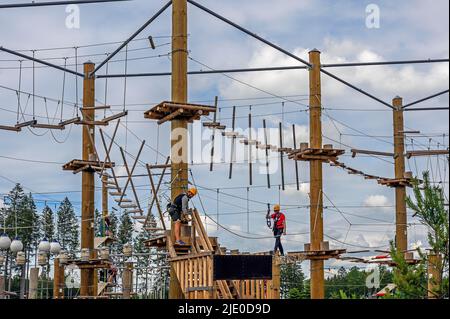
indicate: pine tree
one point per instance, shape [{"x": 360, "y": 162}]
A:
[
  {"x": 67, "y": 227},
  {"x": 48, "y": 224},
  {"x": 292, "y": 281},
  {"x": 125, "y": 231},
  {"x": 97, "y": 223}
]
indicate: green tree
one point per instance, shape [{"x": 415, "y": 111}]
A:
[
  {"x": 125, "y": 231},
  {"x": 428, "y": 206},
  {"x": 67, "y": 227},
  {"x": 410, "y": 279},
  {"x": 48, "y": 224},
  {"x": 292, "y": 281}
]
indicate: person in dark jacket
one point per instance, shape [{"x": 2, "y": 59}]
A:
[{"x": 180, "y": 206}]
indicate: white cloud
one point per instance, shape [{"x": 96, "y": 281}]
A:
[{"x": 377, "y": 201}]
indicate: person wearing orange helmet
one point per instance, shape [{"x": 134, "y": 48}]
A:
[
  {"x": 279, "y": 227},
  {"x": 180, "y": 206}
]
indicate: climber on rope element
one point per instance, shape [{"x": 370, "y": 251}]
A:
[
  {"x": 279, "y": 226},
  {"x": 179, "y": 212}
]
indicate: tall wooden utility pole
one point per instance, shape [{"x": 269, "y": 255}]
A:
[
  {"x": 179, "y": 129},
  {"x": 316, "y": 183},
  {"x": 401, "y": 238},
  {"x": 88, "y": 183}
]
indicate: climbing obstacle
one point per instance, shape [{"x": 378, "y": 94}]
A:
[
  {"x": 169, "y": 111},
  {"x": 194, "y": 267}
]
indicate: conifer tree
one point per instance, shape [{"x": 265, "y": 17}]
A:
[{"x": 67, "y": 227}]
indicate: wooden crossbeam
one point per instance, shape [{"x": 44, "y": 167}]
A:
[
  {"x": 103, "y": 107},
  {"x": 70, "y": 121},
  {"x": 10, "y": 128},
  {"x": 367, "y": 152},
  {"x": 115, "y": 117},
  {"x": 91, "y": 123},
  {"x": 49, "y": 126},
  {"x": 171, "y": 116},
  {"x": 427, "y": 153},
  {"x": 25, "y": 124},
  {"x": 189, "y": 106}
]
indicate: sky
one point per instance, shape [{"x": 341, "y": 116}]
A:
[{"x": 359, "y": 214}]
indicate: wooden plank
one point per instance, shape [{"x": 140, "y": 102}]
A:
[
  {"x": 10, "y": 128},
  {"x": 171, "y": 116}
]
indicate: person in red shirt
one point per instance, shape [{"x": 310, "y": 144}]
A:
[{"x": 279, "y": 228}]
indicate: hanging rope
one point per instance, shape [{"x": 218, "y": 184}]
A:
[
  {"x": 76, "y": 81},
  {"x": 63, "y": 89},
  {"x": 18, "y": 92},
  {"x": 34, "y": 88}
]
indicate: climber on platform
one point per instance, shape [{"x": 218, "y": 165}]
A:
[
  {"x": 279, "y": 227},
  {"x": 178, "y": 209}
]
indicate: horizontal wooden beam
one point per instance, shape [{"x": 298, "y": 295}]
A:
[
  {"x": 70, "y": 121},
  {"x": 427, "y": 153},
  {"x": 25, "y": 124},
  {"x": 103, "y": 107},
  {"x": 170, "y": 116},
  {"x": 368, "y": 152},
  {"x": 115, "y": 117},
  {"x": 49, "y": 126},
  {"x": 193, "y": 107},
  {"x": 10, "y": 128}
]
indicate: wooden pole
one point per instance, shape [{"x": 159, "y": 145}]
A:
[
  {"x": 104, "y": 202},
  {"x": 56, "y": 278},
  {"x": 127, "y": 281},
  {"x": 34, "y": 280},
  {"x": 316, "y": 187},
  {"x": 2, "y": 287},
  {"x": 434, "y": 275},
  {"x": 401, "y": 232},
  {"x": 179, "y": 140},
  {"x": 276, "y": 277},
  {"x": 88, "y": 183}
]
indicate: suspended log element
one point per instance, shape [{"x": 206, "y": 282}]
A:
[
  {"x": 427, "y": 153},
  {"x": 95, "y": 108},
  {"x": 25, "y": 124},
  {"x": 296, "y": 163},
  {"x": 233, "y": 143},
  {"x": 10, "y": 128},
  {"x": 167, "y": 111},
  {"x": 250, "y": 150},
  {"x": 356, "y": 151},
  {"x": 282, "y": 157},
  {"x": 115, "y": 117},
  {"x": 91, "y": 123},
  {"x": 214, "y": 126},
  {"x": 49, "y": 126},
  {"x": 267, "y": 153},
  {"x": 70, "y": 121}
]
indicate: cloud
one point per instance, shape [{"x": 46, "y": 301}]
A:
[{"x": 378, "y": 201}]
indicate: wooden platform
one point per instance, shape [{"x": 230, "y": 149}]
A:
[
  {"x": 168, "y": 111},
  {"x": 161, "y": 242},
  {"x": 77, "y": 166},
  {"x": 91, "y": 264},
  {"x": 317, "y": 254},
  {"x": 321, "y": 154},
  {"x": 407, "y": 182}
]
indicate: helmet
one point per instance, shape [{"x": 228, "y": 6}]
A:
[
  {"x": 277, "y": 208},
  {"x": 193, "y": 191}
]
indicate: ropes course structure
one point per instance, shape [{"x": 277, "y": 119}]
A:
[{"x": 192, "y": 268}]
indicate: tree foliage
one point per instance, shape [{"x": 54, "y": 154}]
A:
[{"x": 67, "y": 227}]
